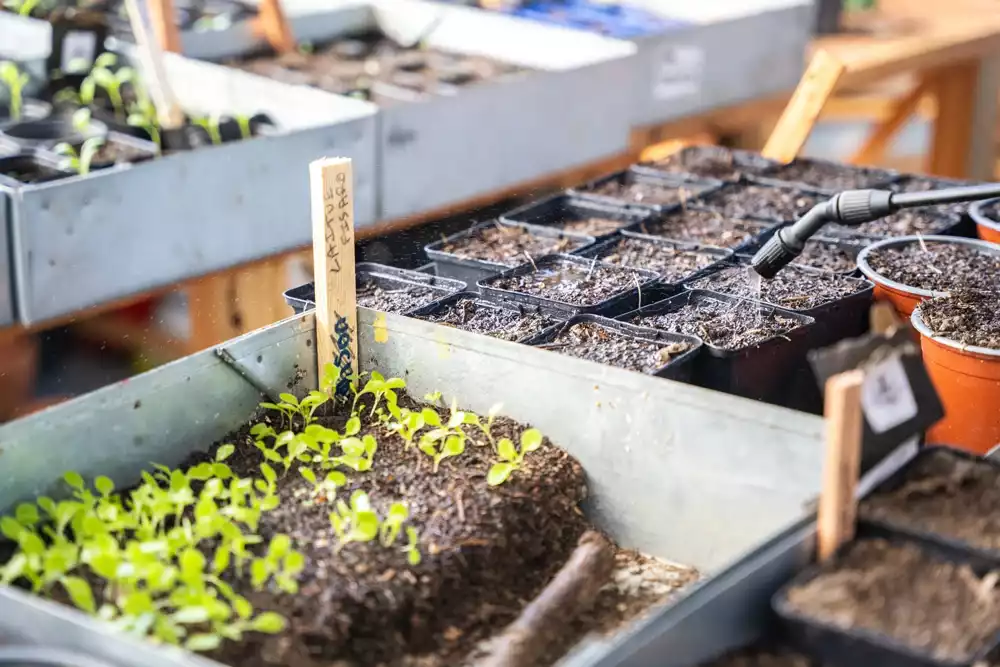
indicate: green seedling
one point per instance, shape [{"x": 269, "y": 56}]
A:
[
  {"x": 22, "y": 7},
  {"x": 280, "y": 562},
  {"x": 486, "y": 428},
  {"x": 289, "y": 405},
  {"x": 14, "y": 80},
  {"x": 81, "y": 161},
  {"x": 411, "y": 550},
  {"x": 111, "y": 81},
  {"x": 378, "y": 388},
  {"x": 211, "y": 126},
  {"x": 244, "y": 124},
  {"x": 356, "y": 522},
  {"x": 389, "y": 530},
  {"x": 511, "y": 457}
]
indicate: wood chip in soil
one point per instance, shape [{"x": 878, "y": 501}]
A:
[
  {"x": 831, "y": 176},
  {"x": 793, "y": 288},
  {"x": 827, "y": 256},
  {"x": 673, "y": 264},
  {"x": 944, "y": 494},
  {"x": 723, "y": 324},
  {"x": 898, "y": 590},
  {"x": 759, "y": 201},
  {"x": 632, "y": 190},
  {"x": 713, "y": 162},
  {"x": 936, "y": 266},
  {"x": 969, "y": 317},
  {"x": 576, "y": 284},
  {"x": 511, "y": 324},
  {"x": 703, "y": 227},
  {"x": 509, "y": 245},
  {"x": 763, "y": 656},
  {"x": 903, "y": 223},
  {"x": 591, "y": 341},
  {"x": 396, "y": 297}
]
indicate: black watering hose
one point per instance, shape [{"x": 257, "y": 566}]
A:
[
  {"x": 852, "y": 208},
  {"x": 44, "y": 656}
]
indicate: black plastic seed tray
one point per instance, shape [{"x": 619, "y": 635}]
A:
[
  {"x": 914, "y": 183},
  {"x": 759, "y": 372},
  {"x": 471, "y": 271},
  {"x": 303, "y": 297},
  {"x": 829, "y": 184},
  {"x": 744, "y": 193},
  {"x": 717, "y": 163},
  {"x": 837, "y": 647},
  {"x": 945, "y": 224},
  {"x": 621, "y": 302},
  {"x": 758, "y": 230},
  {"x": 555, "y": 315},
  {"x": 851, "y": 247},
  {"x": 34, "y": 160},
  {"x": 681, "y": 188},
  {"x": 678, "y": 368},
  {"x": 572, "y": 214}
]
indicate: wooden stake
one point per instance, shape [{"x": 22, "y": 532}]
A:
[
  {"x": 837, "y": 505},
  {"x": 802, "y": 111},
  {"x": 161, "y": 13},
  {"x": 331, "y": 187},
  {"x": 272, "y": 25},
  {"x": 168, "y": 112}
]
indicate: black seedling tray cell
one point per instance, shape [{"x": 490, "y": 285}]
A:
[
  {"x": 48, "y": 132},
  {"x": 880, "y": 178},
  {"x": 850, "y": 246},
  {"x": 854, "y": 647},
  {"x": 31, "y": 159},
  {"x": 759, "y": 372},
  {"x": 558, "y": 315},
  {"x": 619, "y": 303},
  {"x": 640, "y": 175},
  {"x": 948, "y": 225},
  {"x": 763, "y": 231},
  {"x": 703, "y": 201},
  {"x": 471, "y": 271},
  {"x": 303, "y": 297},
  {"x": 747, "y": 163},
  {"x": 677, "y": 369},
  {"x": 551, "y": 212},
  {"x": 967, "y": 226}
]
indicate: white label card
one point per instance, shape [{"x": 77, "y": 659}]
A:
[
  {"x": 680, "y": 73},
  {"x": 78, "y": 49},
  {"x": 886, "y": 396}
]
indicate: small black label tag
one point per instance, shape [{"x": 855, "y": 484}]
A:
[{"x": 76, "y": 44}]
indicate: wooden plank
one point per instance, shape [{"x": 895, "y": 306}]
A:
[
  {"x": 150, "y": 51},
  {"x": 164, "y": 20},
  {"x": 272, "y": 25},
  {"x": 874, "y": 147},
  {"x": 954, "y": 88}
]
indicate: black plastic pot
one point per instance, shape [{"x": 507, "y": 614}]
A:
[
  {"x": 558, "y": 210},
  {"x": 945, "y": 224},
  {"x": 303, "y": 297},
  {"x": 556, "y": 315},
  {"x": 621, "y": 302},
  {"x": 676, "y": 369},
  {"x": 258, "y": 124},
  {"x": 48, "y": 165},
  {"x": 31, "y": 110},
  {"x": 471, "y": 271},
  {"x": 640, "y": 175},
  {"x": 760, "y": 372},
  {"x": 743, "y": 163},
  {"x": 707, "y": 200},
  {"x": 828, "y": 13},
  {"x": 876, "y": 178},
  {"x": 851, "y": 247},
  {"x": 138, "y": 150},
  {"x": 47, "y": 133},
  {"x": 760, "y": 230},
  {"x": 913, "y": 183}
]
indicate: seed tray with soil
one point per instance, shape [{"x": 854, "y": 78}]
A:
[
  {"x": 617, "y": 344},
  {"x": 760, "y": 202},
  {"x": 26, "y": 168},
  {"x": 633, "y": 187},
  {"x": 833, "y": 256},
  {"x": 832, "y": 176},
  {"x": 506, "y": 244},
  {"x": 571, "y": 282},
  {"x": 469, "y": 312},
  {"x": 966, "y": 316},
  {"x": 674, "y": 261},
  {"x": 575, "y": 215},
  {"x": 904, "y": 223},
  {"x": 724, "y": 164},
  {"x": 897, "y": 598},
  {"x": 933, "y": 265},
  {"x": 922, "y": 184},
  {"x": 704, "y": 228}
]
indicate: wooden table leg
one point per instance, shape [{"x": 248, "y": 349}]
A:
[{"x": 966, "y": 96}]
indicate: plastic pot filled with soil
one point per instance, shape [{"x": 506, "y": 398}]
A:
[
  {"x": 960, "y": 342},
  {"x": 26, "y": 168},
  {"x": 652, "y": 190},
  {"x": 51, "y": 131},
  {"x": 708, "y": 228},
  {"x": 104, "y": 152},
  {"x": 759, "y": 202},
  {"x": 893, "y": 602},
  {"x": 575, "y": 215},
  {"x": 926, "y": 183},
  {"x": 29, "y": 110},
  {"x": 986, "y": 215},
  {"x": 572, "y": 283},
  {"x": 492, "y": 247},
  {"x": 469, "y": 311},
  {"x": 908, "y": 270},
  {"x": 614, "y": 343},
  {"x": 750, "y": 348},
  {"x": 386, "y": 289},
  {"x": 713, "y": 162},
  {"x": 904, "y": 223},
  {"x": 674, "y": 261},
  {"x": 832, "y": 177}
]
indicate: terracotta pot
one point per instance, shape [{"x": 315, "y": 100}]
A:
[
  {"x": 988, "y": 229},
  {"x": 967, "y": 379},
  {"x": 902, "y": 297}
]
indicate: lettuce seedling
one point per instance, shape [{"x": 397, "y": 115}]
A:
[
  {"x": 441, "y": 444},
  {"x": 511, "y": 457},
  {"x": 411, "y": 550},
  {"x": 393, "y": 523},
  {"x": 487, "y": 429},
  {"x": 244, "y": 124},
  {"x": 356, "y": 522},
  {"x": 211, "y": 126},
  {"x": 111, "y": 81},
  {"x": 14, "y": 80},
  {"x": 80, "y": 162}
]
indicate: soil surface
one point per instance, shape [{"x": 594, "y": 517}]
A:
[
  {"x": 763, "y": 657},
  {"x": 395, "y": 297},
  {"x": 113, "y": 152},
  {"x": 968, "y": 317},
  {"x": 831, "y": 176},
  {"x": 828, "y": 256},
  {"x": 590, "y": 226},
  {"x": 759, "y": 201},
  {"x": 713, "y": 162},
  {"x": 937, "y": 266},
  {"x": 957, "y": 498},
  {"x": 510, "y": 245},
  {"x": 703, "y": 227},
  {"x": 478, "y": 317},
  {"x": 579, "y": 285},
  {"x": 904, "y": 223},
  {"x": 634, "y": 190},
  {"x": 30, "y": 173},
  {"x": 793, "y": 288},
  {"x": 722, "y": 324},
  {"x": 918, "y": 184},
  {"x": 898, "y": 590},
  {"x": 673, "y": 264},
  {"x": 588, "y": 340}
]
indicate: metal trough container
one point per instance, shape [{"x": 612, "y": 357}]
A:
[{"x": 6, "y": 272}]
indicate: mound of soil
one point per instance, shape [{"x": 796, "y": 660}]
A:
[
  {"x": 966, "y": 316},
  {"x": 673, "y": 264},
  {"x": 793, "y": 288},
  {"x": 831, "y": 175},
  {"x": 703, "y": 227},
  {"x": 591, "y": 341},
  {"x": 760, "y": 201},
  {"x": 510, "y": 245},
  {"x": 508, "y": 323},
  {"x": 580, "y": 285},
  {"x": 714, "y": 162},
  {"x": 827, "y": 256},
  {"x": 937, "y": 266}
]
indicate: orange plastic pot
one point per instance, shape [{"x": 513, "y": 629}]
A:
[
  {"x": 967, "y": 380},
  {"x": 988, "y": 228}
]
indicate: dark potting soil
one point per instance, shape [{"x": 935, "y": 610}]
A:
[
  {"x": 793, "y": 288},
  {"x": 478, "y": 317},
  {"x": 758, "y": 201},
  {"x": 673, "y": 264},
  {"x": 725, "y": 325},
  {"x": 762, "y": 656},
  {"x": 937, "y": 266},
  {"x": 579, "y": 285},
  {"x": 934, "y": 607},
  {"x": 969, "y": 317},
  {"x": 113, "y": 152},
  {"x": 903, "y": 223},
  {"x": 831, "y": 176},
  {"x": 713, "y": 162},
  {"x": 396, "y": 299},
  {"x": 827, "y": 256},
  {"x": 587, "y": 340},
  {"x": 704, "y": 227},
  {"x": 643, "y": 192},
  {"x": 509, "y": 245},
  {"x": 31, "y": 174},
  {"x": 591, "y": 226},
  {"x": 917, "y": 184},
  {"x": 954, "y": 497}
]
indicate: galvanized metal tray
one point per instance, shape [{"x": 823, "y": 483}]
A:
[{"x": 6, "y": 273}]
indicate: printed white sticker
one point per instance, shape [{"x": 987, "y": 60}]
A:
[
  {"x": 680, "y": 73},
  {"x": 78, "y": 49},
  {"x": 886, "y": 396}
]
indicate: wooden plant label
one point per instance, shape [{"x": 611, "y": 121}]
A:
[
  {"x": 837, "y": 503},
  {"x": 331, "y": 186},
  {"x": 164, "y": 20},
  {"x": 802, "y": 111}
]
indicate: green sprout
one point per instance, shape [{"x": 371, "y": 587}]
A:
[
  {"x": 244, "y": 124},
  {"x": 411, "y": 550},
  {"x": 511, "y": 457},
  {"x": 356, "y": 522},
  {"x": 80, "y": 162},
  {"x": 111, "y": 81},
  {"x": 22, "y": 7},
  {"x": 14, "y": 80},
  {"x": 211, "y": 125},
  {"x": 486, "y": 428},
  {"x": 289, "y": 405}
]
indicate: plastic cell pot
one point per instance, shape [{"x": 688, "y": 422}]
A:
[
  {"x": 651, "y": 177},
  {"x": 561, "y": 212},
  {"x": 987, "y": 228},
  {"x": 553, "y": 315},
  {"x": 967, "y": 379},
  {"x": 30, "y": 167},
  {"x": 51, "y": 131},
  {"x": 903, "y": 297}
]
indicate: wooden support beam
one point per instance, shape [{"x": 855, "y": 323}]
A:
[
  {"x": 954, "y": 89},
  {"x": 874, "y": 147},
  {"x": 272, "y": 24}
]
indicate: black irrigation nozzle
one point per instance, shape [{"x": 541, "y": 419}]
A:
[{"x": 852, "y": 208}]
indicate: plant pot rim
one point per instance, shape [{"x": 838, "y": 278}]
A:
[
  {"x": 980, "y": 218},
  {"x": 917, "y": 320},
  {"x": 877, "y": 278}
]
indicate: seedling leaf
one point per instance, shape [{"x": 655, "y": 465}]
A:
[{"x": 499, "y": 473}]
